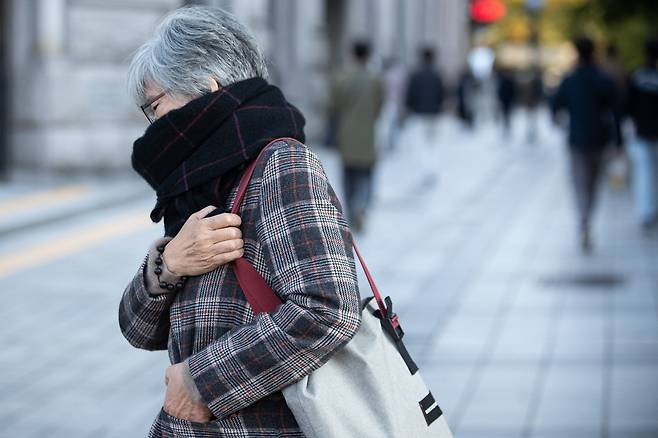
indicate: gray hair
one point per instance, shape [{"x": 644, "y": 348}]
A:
[{"x": 190, "y": 45}]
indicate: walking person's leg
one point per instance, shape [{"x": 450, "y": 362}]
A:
[
  {"x": 367, "y": 175},
  {"x": 579, "y": 178},
  {"x": 361, "y": 197},
  {"x": 349, "y": 187},
  {"x": 427, "y": 126},
  {"x": 531, "y": 128},
  {"x": 394, "y": 134},
  {"x": 507, "y": 123},
  {"x": 357, "y": 195},
  {"x": 426, "y": 169},
  {"x": 594, "y": 165},
  {"x": 394, "y": 127}
]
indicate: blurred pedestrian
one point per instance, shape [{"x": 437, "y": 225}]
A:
[
  {"x": 643, "y": 110},
  {"x": 200, "y": 81},
  {"x": 356, "y": 99},
  {"x": 589, "y": 97},
  {"x": 424, "y": 98},
  {"x": 506, "y": 96},
  {"x": 424, "y": 101}
]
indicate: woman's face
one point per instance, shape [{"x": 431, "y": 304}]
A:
[{"x": 162, "y": 103}]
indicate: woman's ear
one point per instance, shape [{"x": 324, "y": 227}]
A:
[{"x": 214, "y": 86}]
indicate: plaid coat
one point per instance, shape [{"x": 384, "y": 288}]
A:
[{"x": 297, "y": 239}]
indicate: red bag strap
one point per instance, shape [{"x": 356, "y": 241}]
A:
[{"x": 260, "y": 296}]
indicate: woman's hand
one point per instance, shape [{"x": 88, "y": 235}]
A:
[
  {"x": 204, "y": 243},
  {"x": 182, "y": 399}
]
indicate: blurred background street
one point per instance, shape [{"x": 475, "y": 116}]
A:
[
  {"x": 529, "y": 315},
  {"x": 515, "y": 332}
]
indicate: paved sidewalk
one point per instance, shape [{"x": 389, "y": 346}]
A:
[
  {"x": 30, "y": 200},
  {"x": 516, "y": 332}
]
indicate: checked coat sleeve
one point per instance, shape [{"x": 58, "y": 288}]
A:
[
  {"x": 144, "y": 317},
  {"x": 307, "y": 250}
]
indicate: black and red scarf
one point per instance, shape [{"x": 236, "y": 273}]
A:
[{"x": 193, "y": 155}]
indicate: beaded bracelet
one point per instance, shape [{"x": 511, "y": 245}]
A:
[{"x": 158, "y": 271}]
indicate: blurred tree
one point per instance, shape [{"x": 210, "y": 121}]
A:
[{"x": 626, "y": 24}]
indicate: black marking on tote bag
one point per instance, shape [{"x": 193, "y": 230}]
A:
[{"x": 431, "y": 410}]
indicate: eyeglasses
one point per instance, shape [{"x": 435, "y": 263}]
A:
[{"x": 148, "y": 111}]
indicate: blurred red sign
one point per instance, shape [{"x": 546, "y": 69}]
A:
[{"x": 487, "y": 11}]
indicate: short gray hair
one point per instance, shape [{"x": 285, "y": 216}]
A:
[{"x": 190, "y": 45}]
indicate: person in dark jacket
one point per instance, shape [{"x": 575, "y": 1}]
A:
[
  {"x": 643, "y": 110},
  {"x": 201, "y": 82},
  {"x": 424, "y": 101},
  {"x": 589, "y": 97}
]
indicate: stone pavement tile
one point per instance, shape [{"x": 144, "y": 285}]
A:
[
  {"x": 580, "y": 338},
  {"x": 133, "y": 401},
  {"x": 505, "y": 262},
  {"x": 563, "y": 432},
  {"x": 462, "y": 339},
  {"x": 421, "y": 323},
  {"x": 639, "y": 292},
  {"x": 67, "y": 415},
  {"x": 44, "y": 428},
  {"x": 634, "y": 397},
  {"x": 532, "y": 298},
  {"x": 11, "y": 409},
  {"x": 586, "y": 327},
  {"x": 500, "y": 401},
  {"x": 584, "y": 302},
  {"x": 447, "y": 383},
  {"x": 634, "y": 433},
  {"x": 486, "y": 433},
  {"x": 523, "y": 338},
  {"x": 402, "y": 290},
  {"x": 636, "y": 352},
  {"x": 483, "y": 296},
  {"x": 576, "y": 349},
  {"x": 572, "y": 398},
  {"x": 636, "y": 336}
]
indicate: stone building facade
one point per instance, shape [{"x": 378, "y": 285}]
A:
[{"x": 67, "y": 61}]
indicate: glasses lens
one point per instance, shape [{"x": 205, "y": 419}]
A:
[{"x": 148, "y": 112}]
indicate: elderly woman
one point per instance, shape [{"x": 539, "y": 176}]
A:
[{"x": 201, "y": 81}]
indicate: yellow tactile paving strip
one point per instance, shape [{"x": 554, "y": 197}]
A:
[
  {"x": 40, "y": 199},
  {"x": 71, "y": 242}
]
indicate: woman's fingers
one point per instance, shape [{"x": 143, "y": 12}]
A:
[
  {"x": 227, "y": 246},
  {"x": 204, "y": 212},
  {"x": 226, "y": 257},
  {"x": 223, "y": 220},
  {"x": 222, "y": 234}
]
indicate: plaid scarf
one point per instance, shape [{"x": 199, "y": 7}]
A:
[{"x": 193, "y": 155}]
